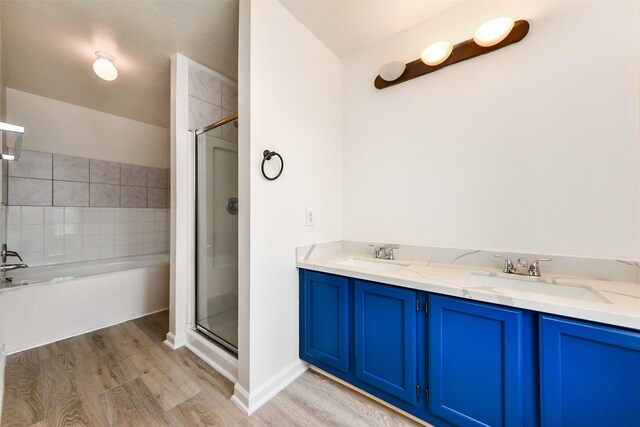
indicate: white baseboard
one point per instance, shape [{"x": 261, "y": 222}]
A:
[
  {"x": 215, "y": 357},
  {"x": 174, "y": 342},
  {"x": 250, "y": 402},
  {"x": 241, "y": 398}
]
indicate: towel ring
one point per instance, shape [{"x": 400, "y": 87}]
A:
[{"x": 268, "y": 155}]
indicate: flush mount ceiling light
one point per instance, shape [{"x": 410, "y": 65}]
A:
[
  {"x": 436, "y": 53},
  {"x": 493, "y": 35},
  {"x": 493, "y": 32},
  {"x": 104, "y": 68}
]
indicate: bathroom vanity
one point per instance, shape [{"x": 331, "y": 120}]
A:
[{"x": 456, "y": 345}]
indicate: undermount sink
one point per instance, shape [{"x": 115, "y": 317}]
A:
[
  {"x": 532, "y": 285},
  {"x": 373, "y": 264}
]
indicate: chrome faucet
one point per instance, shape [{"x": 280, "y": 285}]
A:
[
  {"x": 384, "y": 251},
  {"x": 9, "y": 267},
  {"x": 4, "y": 254},
  {"x": 522, "y": 266}
]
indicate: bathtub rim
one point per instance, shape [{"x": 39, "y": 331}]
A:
[{"x": 16, "y": 287}]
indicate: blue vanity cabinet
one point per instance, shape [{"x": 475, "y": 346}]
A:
[
  {"x": 481, "y": 363},
  {"x": 386, "y": 351},
  {"x": 589, "y": 374},
  {"x": 325, "y": 326}
]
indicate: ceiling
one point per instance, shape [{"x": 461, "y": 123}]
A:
[
  {"x": 346, "y": 26},
  {"x": 48, "y": 49}
]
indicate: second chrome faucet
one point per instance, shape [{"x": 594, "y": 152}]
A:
[{"x": 522, "y": 267}]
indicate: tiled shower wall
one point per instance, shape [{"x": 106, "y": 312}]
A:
[
  {"x": 67, "y": 209},
  {"x": 212, "y": 97}
]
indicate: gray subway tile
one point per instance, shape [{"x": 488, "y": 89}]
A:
[
  {"x": 103, "y": 172},
  {"x": 32, "y": 164},
  {"x": 229, "y": 130},
  {"x": 133, "y": 175},
  {"x": 204, "y": 85},
  {"x": 230, "y": 96},
  {"x": 104, "y": 195},
  {"x": 133, "y": 197},
  {"x": 69, "y": 168},
  {"x": 30, "y": 192},
  {"x": 156, "y": 178},
  {"x": 156, "y": 197},
  {"x": 66, "y": 193},
  {"x": 203, "y": 114}
]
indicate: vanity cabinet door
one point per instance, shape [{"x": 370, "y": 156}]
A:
[
  {"x": 324, "y": 320},
  {"x": 386, "y": 340},
  {"x": 590, "y": 374},
  {"x": 476, "y": 369}
]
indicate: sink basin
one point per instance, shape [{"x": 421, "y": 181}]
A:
[
  {"x": 531, "y": 285},
  {"x": 378, "y": 265}
]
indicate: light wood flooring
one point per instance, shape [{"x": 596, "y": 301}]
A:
[{"x": 125, "y": 375}]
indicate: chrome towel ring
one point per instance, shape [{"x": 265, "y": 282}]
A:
[{"x": 268, "y": 155}]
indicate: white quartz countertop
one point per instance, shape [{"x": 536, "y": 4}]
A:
[{"x": 616, "y": 303}]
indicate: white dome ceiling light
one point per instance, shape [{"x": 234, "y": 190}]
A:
[{"x": 104, "y": 68}]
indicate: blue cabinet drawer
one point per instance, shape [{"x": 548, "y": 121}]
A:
[{"x": 590, "y": 374}]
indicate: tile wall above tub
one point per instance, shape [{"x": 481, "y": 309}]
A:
[
  {"x": 47, "y": 179},
  {"x": 54, "y": 235}
]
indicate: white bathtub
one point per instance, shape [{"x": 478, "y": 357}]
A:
[{"x": 50, "y": 303}]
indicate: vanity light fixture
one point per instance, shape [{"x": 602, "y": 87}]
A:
[
  {"x": 104, "y": 68},
  {"x": 492, "y": 35},
  {"x": 436, "y": 53}
]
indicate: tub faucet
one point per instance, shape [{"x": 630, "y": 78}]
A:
[
  {"x": 9, "y": 267},
  {"x": 4, "y": 254}
]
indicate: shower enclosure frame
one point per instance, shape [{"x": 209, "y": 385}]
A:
[{"x": 221, "y": 343}]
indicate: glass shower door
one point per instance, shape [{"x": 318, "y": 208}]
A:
[{"x": 217, "y": 235}]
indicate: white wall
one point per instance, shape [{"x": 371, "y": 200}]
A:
[
  {"x": 294, "y": 86},
  {"x": 62, "y": 128},
  {"x": 533, "y": 148}
]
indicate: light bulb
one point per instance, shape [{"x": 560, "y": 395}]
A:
[
  {"x": 104, "y": 68},
  {"x": 392, "y": 70},
  {"x": 436, "y": 53},
  {"x": 493, "y": 32}
]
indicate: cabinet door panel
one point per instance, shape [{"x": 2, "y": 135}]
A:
[
  {"x": 326, "y": 319},
  {"x": 475, "y": 367},
  {"x": 590, "y": 374},
  {"x": 385, "y": 343}
]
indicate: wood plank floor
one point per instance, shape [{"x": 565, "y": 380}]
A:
[{"x": 125, "y": 375}]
